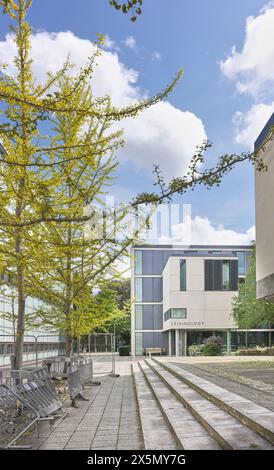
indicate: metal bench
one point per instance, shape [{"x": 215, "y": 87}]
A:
[{"x": 16, "y": 417}]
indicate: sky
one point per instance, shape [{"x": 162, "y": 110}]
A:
[{"x": 226, "y": 95}]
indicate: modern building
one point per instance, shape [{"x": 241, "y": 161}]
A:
[
  {"x": 181, "y": 295},
  {"x": 39, "y": 343},
  {"x": 264, "y": 190}
]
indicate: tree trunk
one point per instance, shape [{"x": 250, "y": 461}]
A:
[
  {"x": 20, "y": 329},
  {"x": 68, "y": 346}
]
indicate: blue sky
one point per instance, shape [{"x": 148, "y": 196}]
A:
[{"x": 229, "y": 102}]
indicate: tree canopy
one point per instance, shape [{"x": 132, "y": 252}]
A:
[{"x": 247, "y": 310}]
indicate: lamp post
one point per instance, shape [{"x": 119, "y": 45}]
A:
[{"x": 113, "y": 340}]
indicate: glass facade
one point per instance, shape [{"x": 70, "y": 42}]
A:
[
  {"x": 226, "y": 275},
  {"x": 138, "y": 289},
  {"x": 241, "y": 262},
  {"x": 138, "y": 262},
  {"x": 138, "y": 317},
  {"x": 182, "y": 275}
]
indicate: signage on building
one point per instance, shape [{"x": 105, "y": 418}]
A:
[{"x": 182, "y": 323}]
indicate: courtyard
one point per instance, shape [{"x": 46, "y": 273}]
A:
[{"x": 130, "y": 412}]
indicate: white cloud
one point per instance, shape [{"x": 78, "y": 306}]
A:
[
  {"x": 109, "y": 44},
  {"x": 162, "y": 134},
  {"x": 253, "y": 67},
  {"x": 203, "y": 232},
  {"x": 249, "y": 125},
  {"x": 49, "y": 51},
  {"x": 130, "y": 42},
  {"x": 157, "y": 56}
]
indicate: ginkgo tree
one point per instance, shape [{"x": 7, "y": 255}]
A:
[
  {"x": 41, "y": 198},
  {"x": 34, "y": 165},
  {"x": 72, "y": 259}
]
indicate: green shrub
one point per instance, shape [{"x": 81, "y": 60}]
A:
[
  {"x": 195, "y": 349},
  {"x": 211, "y": 349},
  {"x": 123, "y": 350},
  {"x": 212, "y": 346}
]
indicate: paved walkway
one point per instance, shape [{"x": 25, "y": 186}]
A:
[
  {"x": 217, "y": 359},
  {"x": 109, "y": 420},
  {"x": 257, "y": 396}
]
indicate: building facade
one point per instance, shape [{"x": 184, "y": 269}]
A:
[
  {"x": 264, "y": 190},
  {"x": 39, "y": 343},
  {"x": 180, "y": 296}
]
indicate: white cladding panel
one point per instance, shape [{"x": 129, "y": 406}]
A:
[
  {"x": 205, "y": 309},
  {"x": 264, "y": 215}
]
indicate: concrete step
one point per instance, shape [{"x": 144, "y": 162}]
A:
[
  {"x": 256, "y": 417},
  {"x": 190, "y": 434},
  {"x": 228, "y": 431},
  {"x": 156, "y": 433}
]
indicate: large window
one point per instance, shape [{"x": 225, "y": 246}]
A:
[
  {"x": 226, "y": 275},
  {"x": 175, "y": 313},
  {"x": 182, "y": 275},
  {"x": 138, "y": 317},
  {"x": 221, "y": 275},
  {"x": 241, "y": 263},
  {"x": 138, "y": 262},
  {"x": 138, "y": 289}
]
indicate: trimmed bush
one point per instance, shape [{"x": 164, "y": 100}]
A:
[
  {"x": 195, "y": 349},
  {"x": 256, "y": 352},
  {"x": 123, "y": 350}
]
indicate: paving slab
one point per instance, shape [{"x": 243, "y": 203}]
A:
[
  {"x": 216, "y": 421},
  {"x": 180, "y": 419},
  {"x": 111, "y": 409},
  {"x": 156, "y": 433},
  {"x": 250, "y": 413}
]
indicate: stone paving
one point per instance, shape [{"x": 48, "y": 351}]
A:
[
  {"x": 109, "y": 420},
  {"x": 228, "y": 431},
  {"x": 258, "y": 396},
  {"x": 261, "y": 417}
]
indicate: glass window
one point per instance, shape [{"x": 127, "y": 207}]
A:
[
  {"x": 138, "y": 289},
  {"x": 138, "y": 262},
  {"x": 138, "y": 344},
  {"x": 179, "y": 313},
  {"x": 175, "y": 313},
  {"x": 138, "y": 317},
  {"x": 182, "y": 275},
  {"x": 226, "y": 275},
  {"x": 241, "y": 263},
  {"x": 167, "y": 315}
]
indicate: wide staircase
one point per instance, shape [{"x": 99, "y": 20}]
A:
[{"x": 179, "y": 410}]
